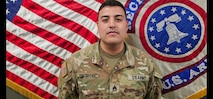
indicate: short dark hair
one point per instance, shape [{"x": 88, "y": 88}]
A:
[{"x": 111, "y": 3}]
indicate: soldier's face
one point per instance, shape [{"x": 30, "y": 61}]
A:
[{"x": 112, "y": 25}]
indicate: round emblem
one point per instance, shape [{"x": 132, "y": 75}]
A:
[{"x": 173, "y": 30}]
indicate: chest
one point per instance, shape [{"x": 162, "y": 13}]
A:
[{"x": 121, "y": 83}]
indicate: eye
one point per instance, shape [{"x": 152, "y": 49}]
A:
[
  {"x": 104, "y": 20},
  {"x": 118, "y": 19}
]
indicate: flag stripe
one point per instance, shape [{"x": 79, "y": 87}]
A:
[
  {"x": 100, "y": 1},
  {"x": 37, "y": 40},
  {"x": 31, "y": 68},
  {"x": 25, "y": 83},
  {"x": 30, "y": 76},
  {"x": 59, "y": 30},
  {"x": 33, "y": 49},
  {"x": 45, "y": 34},
  {"x": 75, "y": 6},
  {"x": 56, "y": 18},
  {"x": 94, "y": 5},
  {"x": 22, "y": 54}
]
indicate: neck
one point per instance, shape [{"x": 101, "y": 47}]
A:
[{"x": 112, "y": 49}]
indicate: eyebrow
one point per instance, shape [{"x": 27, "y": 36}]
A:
[{"x": 115, "y": 16}]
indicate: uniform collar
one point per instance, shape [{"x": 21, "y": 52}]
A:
[{"x": 97, "y": 59}]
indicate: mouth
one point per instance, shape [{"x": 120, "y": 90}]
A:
[{"x": 112, "y": 32}]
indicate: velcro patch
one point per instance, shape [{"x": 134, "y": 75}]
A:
[
  {"x": 88, "y": 76},
  {"x": 138, "y": 77},
  {"x": 64, "y": 69}
]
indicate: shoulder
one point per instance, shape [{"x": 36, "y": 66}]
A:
[
  {"x": 78, "y": 57},
  {"x": 142, "y": 58},
  {"x": 87, "y": 51}
]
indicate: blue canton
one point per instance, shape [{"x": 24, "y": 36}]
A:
[{"x": 12, "y": 7}]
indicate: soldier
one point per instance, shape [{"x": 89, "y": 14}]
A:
[{"x": 110, "y": 68}]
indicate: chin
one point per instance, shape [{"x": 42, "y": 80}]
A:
[{"x": 114, "y": 42}]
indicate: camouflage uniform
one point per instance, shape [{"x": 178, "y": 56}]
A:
[{"x": 86, "y": 75}]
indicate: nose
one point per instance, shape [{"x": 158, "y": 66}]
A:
[{"x": 112, "y": 24}]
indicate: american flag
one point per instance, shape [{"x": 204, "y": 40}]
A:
[{"x": 40, "y": 34}]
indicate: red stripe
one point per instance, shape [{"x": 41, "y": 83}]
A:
[
  {"x": 29, "y": 86},
  {"x": 75, "y": 6},
  {"x": 75, "y": 27},
  {"x": 32, "y": 68},
  {"x": 33, "y": 49},
  {"x": 100, "y": 1},
  {"x": 57, "y": 40}
]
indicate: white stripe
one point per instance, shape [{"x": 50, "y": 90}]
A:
[
  {"x": 92, "y": 4},
  {"x": 69, "y": 14},
  {"x": 125, "y": 1},
  {"x": 37, "y": 41},
  {"x": 34, "y": 79},
  {"x": 22, "y": 54},
  {"x": 52, "y": 27}
]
